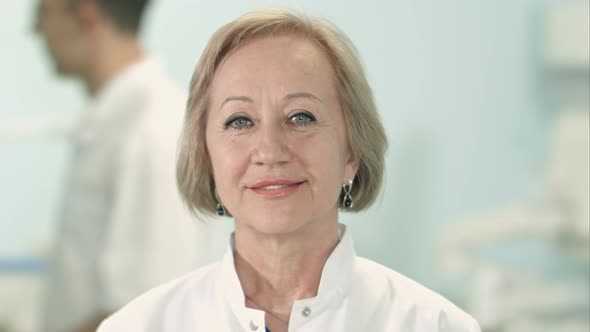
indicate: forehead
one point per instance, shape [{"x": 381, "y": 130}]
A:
[{"x": 264, "y": 59}]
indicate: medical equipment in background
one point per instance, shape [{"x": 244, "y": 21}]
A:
[{"x": 553, "y": 228}]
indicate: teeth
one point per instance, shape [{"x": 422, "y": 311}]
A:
[{"x": 276, "y": 186}]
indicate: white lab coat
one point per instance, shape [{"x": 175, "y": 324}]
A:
[
  {"x": 123, "y": 228},
  {"x": 355, "y": 295}
]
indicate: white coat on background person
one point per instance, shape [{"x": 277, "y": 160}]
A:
[{"x": 123, "y": 226}]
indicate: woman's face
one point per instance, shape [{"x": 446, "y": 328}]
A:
[{"x": 276, "y": 136}]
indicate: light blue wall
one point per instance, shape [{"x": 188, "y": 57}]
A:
[{"x": 456, "y": 82}]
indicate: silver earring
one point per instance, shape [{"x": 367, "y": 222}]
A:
[{"x": 347, "y": 202}]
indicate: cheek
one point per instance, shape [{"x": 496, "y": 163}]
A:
[
  {"x": 228, "y": 161},
  {"x": 323, "y": 157}
]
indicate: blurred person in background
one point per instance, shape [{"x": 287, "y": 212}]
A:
[{"x": 123, "y": 228}]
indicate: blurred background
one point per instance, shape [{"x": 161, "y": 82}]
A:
[{"x": 486, "y": 107}]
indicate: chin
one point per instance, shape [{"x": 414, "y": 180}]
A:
[
  {"x": 63, "y": 71},
  {"x": 269, "y": 222},
  {"x": 63, "y": 68}
]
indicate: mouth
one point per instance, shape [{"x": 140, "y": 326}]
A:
[{"x": 275, "y": 189}]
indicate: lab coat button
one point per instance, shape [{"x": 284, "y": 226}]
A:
[
  {"x": 306, "y": 312},
  {"x": 253, "y": 326}
]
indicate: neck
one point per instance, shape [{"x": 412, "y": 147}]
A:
[
  {"x": 277, "y": 270},
  {"x": 111, "y": 56}
]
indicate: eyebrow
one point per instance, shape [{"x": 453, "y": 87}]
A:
[
  {"x": 290, "y": 96},
  {"x": 236, "y": 98},
  {"x": 305, "y": 95}
]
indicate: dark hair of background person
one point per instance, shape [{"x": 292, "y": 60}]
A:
[{"x": 126, "y": 15}]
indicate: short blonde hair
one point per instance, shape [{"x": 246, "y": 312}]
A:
[{"x": 366, "y": 135}]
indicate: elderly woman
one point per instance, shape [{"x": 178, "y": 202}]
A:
[{"x": 281, "y": 133}]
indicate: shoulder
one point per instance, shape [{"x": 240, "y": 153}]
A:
[
  {"x": 156, "y": 111},
  {"x": 400, "y": 286},
  {"x": 147, "y": 312},
  {"x": 150, "y": 81},
  {"x": 147, "y": 96},
  {"x": 402, "y": 297}
]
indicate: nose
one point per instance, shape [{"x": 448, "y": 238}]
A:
[{"x": 271, "y": 145}]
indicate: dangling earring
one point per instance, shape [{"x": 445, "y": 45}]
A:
[
  {"x": 347, "y": 202},
  {"x": 220, "y": 208}
]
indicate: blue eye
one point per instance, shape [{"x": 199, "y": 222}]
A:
[
  {"x": 302, "y": 119},
  {"x": 239, "y": 122}
]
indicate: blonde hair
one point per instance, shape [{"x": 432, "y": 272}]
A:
[{"x": 366, "y": 135}]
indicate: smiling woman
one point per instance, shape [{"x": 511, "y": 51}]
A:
[
  {"x": 281, "y": 132},
  {"x": 287, "y": 145}
]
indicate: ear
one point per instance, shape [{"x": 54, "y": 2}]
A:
[{"x": 89, "y": 15}]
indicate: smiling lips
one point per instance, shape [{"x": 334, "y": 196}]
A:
[{"x": 275, "y": 189}]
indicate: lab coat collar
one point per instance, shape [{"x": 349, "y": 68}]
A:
[{"x": 335, "y": 282}]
